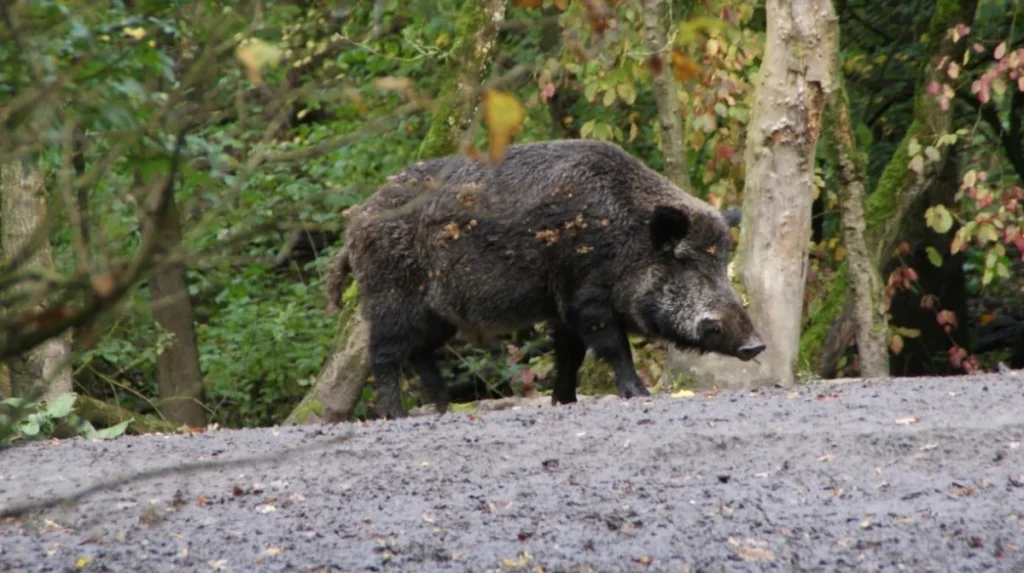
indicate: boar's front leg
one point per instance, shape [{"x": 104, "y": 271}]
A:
[
  {"x": 608, "y": 339},
  {"x": 569, "y": 353}
]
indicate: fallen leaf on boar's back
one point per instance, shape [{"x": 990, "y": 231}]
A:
[{"x": 503, "y": 115}]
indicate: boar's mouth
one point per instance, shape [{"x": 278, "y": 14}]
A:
[{"x": 745, "y": 351}]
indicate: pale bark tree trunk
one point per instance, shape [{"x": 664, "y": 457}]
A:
[
  {"x": 656, "y": 22},
  {"x": 179, "y": 378},
  {"x": 898, "y": 189},
  {"x": 796, "y": 77},
  {"x": 45, "y": 372},
  {"x": 341, "y": 381},
  {"x": 868, "y": 308}
]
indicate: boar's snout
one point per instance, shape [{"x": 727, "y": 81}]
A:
[{"x": 751, "y": 348}]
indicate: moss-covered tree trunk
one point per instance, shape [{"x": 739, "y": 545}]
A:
[
  {"x": 476, "y": 31},
  {"x": 656, "y": 22},
  {"x": 898, "y": 189},
  {"x": 867, "y": 306},
  {"x": 45, "y": 371},
  {"x": 341, "y": 381},
  {"x": 772, "y": 254}
]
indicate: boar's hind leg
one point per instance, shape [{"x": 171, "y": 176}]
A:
[
  {"x": 610, "y": 343},
  {"x": 569, "y": 353},
  {"x": 411, "y": 337},
  {"x": 425, "y": 364}
]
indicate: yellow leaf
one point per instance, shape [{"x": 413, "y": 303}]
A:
[
  {"x": 609, "y": 98},
  {"x": 682, "y": 394},
  {"x": 137, "y": 33},
  {"x": 254, "y": 54},
  {"x": 504, "y": 116},
  {"x": 392, "y": 83},
  {"x": 82, "y": 562},
  {"x": 683, "y": 67},
  {"x": 626, "y": 92},
  {"x": 840, "y": 254}
]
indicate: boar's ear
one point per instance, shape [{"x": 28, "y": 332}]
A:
[
  {"x": 668, "y": 225},
  {"x": 733, "y": 216}
]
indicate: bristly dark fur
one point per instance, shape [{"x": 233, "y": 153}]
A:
[{"x": 575, "y": 233}]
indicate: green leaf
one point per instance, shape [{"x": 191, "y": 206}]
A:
[
  {"x": 29, "y": 427},
  {"x": 988, "y": 233},
  {"x": 934, "y": 256},
  {"x": 113, "y": 431},
  {"x": 932, "y": 153},
  {"x": 913, "y": 148},
  {"x": 61, "y": 405},
  {"x": 590, "y": 91},
  {"x": 587, "y": 129},
  {"x": 939, "y": 219},
  {"x": 906, "y": 332}
]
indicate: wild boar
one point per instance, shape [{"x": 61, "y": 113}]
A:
[{"x": 577, "y": 234}]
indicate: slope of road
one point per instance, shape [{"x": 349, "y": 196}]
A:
[{"x": 892, "y": 475}]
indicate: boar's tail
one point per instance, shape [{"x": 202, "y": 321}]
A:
[{"x": 336, "y": 273}]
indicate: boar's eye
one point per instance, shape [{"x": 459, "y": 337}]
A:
[{"x": 668, "y": 225}]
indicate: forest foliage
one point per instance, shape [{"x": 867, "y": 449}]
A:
[{"x": 275, "y": 117}]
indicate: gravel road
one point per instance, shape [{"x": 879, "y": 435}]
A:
[{"x": 889, "y": 475}]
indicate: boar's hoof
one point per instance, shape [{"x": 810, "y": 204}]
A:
[
  {"x": 634, "y": 389},
  {"x": 750, "y": 350}
]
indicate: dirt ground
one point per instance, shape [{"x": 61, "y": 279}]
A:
[{"x": 891, "y": 475}]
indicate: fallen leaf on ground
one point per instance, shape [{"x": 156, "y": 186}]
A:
[
  {"x": 908, "y": 421},
  {"x": 752, "y": 550},
  {"x": 793, "y": 394},
  {"x": 962, "y": 490},
  {"x": 682, "y": 394},
  {"x": 827, "y": 397},
  {"x": 827, "y": 458},
  {"x": 274, "y": 550}
]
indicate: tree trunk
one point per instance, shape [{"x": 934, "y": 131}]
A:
[
  {"x": 179, "y": 378},
  {"x": 796, "y": 79},
  {"x": 45, "y": 371},
  {"x": 898, "y": 189},
  {"x": 868, "y": 308},
  {"x": 656, "y": 22},
  {"x": 703, "y": 369},
  {"x": 340, "y": 383},
  {"x": 476, "y": 31}
]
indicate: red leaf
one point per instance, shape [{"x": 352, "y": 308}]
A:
[{"x": 946, "y": 317}]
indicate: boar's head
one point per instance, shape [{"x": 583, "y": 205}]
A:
[{"x": 686, "y": 297}]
